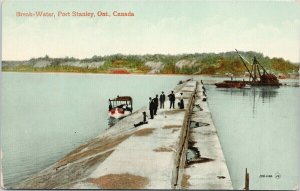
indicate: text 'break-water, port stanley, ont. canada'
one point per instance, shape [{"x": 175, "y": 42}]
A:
[{"x": 75, "y": 14}]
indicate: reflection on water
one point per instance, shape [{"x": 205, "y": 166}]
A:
[
  {"x": 112, "y": 121},
  {"x": 261, "y": 94},
  {"x": 258, "y": 130},
  {"x": 266, "y": 93}
]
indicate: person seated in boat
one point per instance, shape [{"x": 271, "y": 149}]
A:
[
  {"x": 142, "y": 122},
  {"x": 120, "y": 106},
  {"x": 126, "y": 108},
  {"x": 129, "y": 108}
]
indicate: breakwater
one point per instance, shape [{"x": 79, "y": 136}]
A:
[{"x": 150, "y": 156}]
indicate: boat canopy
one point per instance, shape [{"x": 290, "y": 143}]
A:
[
  {"x": 120, "y": 101},
  {"x": 122, "y": 98}
]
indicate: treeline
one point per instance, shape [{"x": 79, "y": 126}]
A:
[{"x": 198, "y": 63}]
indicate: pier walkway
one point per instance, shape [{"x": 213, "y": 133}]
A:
[
  {"x": 209, "y": 171},
  {"x": 150, "y": 156}
]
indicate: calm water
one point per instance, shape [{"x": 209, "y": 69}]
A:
[
  {"x": 258, "y": 130},
  {"x": 44, "y": 116}
]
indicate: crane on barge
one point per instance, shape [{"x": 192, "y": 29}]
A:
[{"x": 256, "y": 77}]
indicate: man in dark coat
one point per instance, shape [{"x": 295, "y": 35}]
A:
[
  {"x": 151, "y": 107},
  {"x": 156, "y": 104},
  {"x": 172, "y": 99},
  {"x": 162, "y": 99}
]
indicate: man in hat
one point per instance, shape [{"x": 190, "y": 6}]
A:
[
  {"x": 162, "y": 99},
  {"x": 172, "y": 99},
  {"x": 151, "y": 107},
  {"x": 155, "y": 104}
]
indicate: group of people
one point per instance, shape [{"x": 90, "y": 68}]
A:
[
  {"x": 160, "y": 101},
  {"x": 153, "y": 103}
]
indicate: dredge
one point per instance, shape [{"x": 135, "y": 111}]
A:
[{"x": 256, "y": 77}]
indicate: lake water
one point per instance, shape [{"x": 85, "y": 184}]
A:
[
  {"x": 45, "y": 116},
  {"x": 259, "y": 130}
]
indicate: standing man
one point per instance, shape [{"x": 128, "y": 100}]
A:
[
  {"x": 162, "y": 99},
  {"x": 172, "y": 99},
  {"x": 155, "y": 104},
  {"x": 151, "y": 107}
]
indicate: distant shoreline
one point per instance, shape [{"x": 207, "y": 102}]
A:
[
  {"x": 212, "y": 64},
  {"x": 92, "y": 73},
  {"x": 134, "y": 74}
]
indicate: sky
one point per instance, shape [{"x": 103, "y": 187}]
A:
[{"x": 163, "y": 27}]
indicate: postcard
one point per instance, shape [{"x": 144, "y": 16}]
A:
[{"x": 150, "y": 95}]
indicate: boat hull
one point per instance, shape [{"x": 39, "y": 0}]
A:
[
  {"x": 230, "y": 84},
  {"x": 242, "y": 84},
  {"x": 118, "y": 113}
]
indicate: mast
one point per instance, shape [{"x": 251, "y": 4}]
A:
[{"x": 244, "y": 63}]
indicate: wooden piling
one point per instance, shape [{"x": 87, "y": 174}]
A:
[{"x": 246, "y": 180}]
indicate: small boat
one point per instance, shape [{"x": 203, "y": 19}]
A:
[
  {"x": 230, "y": 84},
  {"x": 247, "y": 86},
  {"x": 120, "y": 107},
  {"x": 281, "y": 76}
]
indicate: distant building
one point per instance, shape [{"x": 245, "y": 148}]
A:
[
  {"x": 246, "y": 74},
  {"x": 294, "y": 74}
]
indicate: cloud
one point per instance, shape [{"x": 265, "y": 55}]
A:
[{"x": 84, "y": 37}]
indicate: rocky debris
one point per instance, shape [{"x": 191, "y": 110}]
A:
[
  {"x": 185, "y": 63},
  {"x": 89, "y": 65},
  {"x": 155, "y": 66},
  {"x": 15, "y": 63},
  {"x": 42, "y": 64}
]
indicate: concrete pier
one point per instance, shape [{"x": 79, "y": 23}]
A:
[
  {"x": 209, "y": 170},
  {"x": 150, "y": 156}
]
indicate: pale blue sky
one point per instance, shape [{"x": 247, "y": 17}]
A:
[{"x": 167, "y": 27}]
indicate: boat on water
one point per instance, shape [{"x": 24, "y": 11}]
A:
[
  {"x": 120, "y": 107},
  {"x": 281, "y": 76},
  {"x": 231, "y": 84},
  {"x": 258, "y": 76},
  {"x": 247, "y": 86}
]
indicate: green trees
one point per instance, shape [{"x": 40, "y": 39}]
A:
[{"x": 203, "y": 63}]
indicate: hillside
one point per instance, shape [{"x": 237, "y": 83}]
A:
[{"x": 200, "y": 63}]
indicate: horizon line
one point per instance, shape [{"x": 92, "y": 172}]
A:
[{"x": 166, "y": 54}]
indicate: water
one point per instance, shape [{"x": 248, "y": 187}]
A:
[
  {"x": 259, "y": 130},
  {"x": 45, "y": 116}
]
